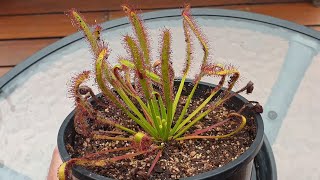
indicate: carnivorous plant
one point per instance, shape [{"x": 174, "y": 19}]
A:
[{"x": 152, "y": 101}]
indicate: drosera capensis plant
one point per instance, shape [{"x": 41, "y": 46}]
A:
[{"x": 152, "y": 101}]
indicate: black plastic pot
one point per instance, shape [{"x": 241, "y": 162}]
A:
[{"x": 239, "y": 169}]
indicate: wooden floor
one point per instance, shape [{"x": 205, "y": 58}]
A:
[{"x": 28, "y": 26}]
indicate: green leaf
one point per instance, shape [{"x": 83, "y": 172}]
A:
[
  {"x": 150, "y": 74},
  {"x": 167, "y": 80},
  {"x": 108, "y": 93},
  {"x": 187, "y": 66},
  {"x": 140, "y": 66},
  {"x": 140, "y": 33},
  {"x": 196, "y": 30},
  {"x": 86, "y": 29}
]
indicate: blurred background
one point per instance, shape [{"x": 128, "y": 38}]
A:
[{"x": 28, "y": 26}]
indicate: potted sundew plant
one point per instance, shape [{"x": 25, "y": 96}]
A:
[{"x": 146, "y": 124}]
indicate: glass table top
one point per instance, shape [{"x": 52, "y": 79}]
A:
[{"x": 283, "y": 63}]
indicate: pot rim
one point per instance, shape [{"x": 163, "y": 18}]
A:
[{"x": 228, "y": 168}]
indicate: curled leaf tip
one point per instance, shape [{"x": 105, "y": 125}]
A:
[
  {"x": 98, "y": 28},
  {"x": 63, "y": 173},
  {"x": 186, "y": 10},
  {"x": 71, "y": 12},
  {"x": 103, "y": 53},
  {"x": 257, "y": 107},
  {"x": 83, "y": 90},
  {"x": 250, "y": 87},
  {"x": 77, "y": 81},
  {"x": 142, "y": 141},
  {"x": 126, "y": 8}
]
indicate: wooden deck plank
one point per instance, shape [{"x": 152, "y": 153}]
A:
[
  {"x": 13, "y": 52},
  {"x": 25, "y": 48},
  {"x": 50, "y": 6},
  {"x": 317, "y": 28},
  {"x": 301, "y": 13},
  {"x": 58, "y": 25},
  {"x": 40, "y": 26},
  {"x": 4, "y": 70}
]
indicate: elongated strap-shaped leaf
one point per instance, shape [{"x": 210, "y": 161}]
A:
[
  {"x": 94, "y": 159},
  {"x": 198, "y": 118},
  {"x": 150, "y": 74},
  {"x": 127, "y": 87},
  {"x": 140, "y": 33},
  {"x": 146, "y": 124},
  {"x": 209, "y": 128},
  {"x": 140, "y": 66},
  {"x": 196, "y": 30},
  {"x": 184, "y": 110},
  {"x": 103, "y": 120},
  {"x": 188, "y": 48},
  {"x": 82, "y": 25},
  {"x": 181, "y": 123},
  {"x": 100, "y": 80},
  {"x": 108, "y": 93},
  {"x": 131, "y": 155},
  {"x": 117, "y": 86},
  {"x": 235, "y": 74},
  {"x": 108, "y": 132},
  {"x": 80, "y": 122},
  {"x": 188, "y": 126},
  {"x": 65, "y": 170},
  {"x": 187, "y": 65},
  {"x": 239, "y": 128},
  {"x": 162, "y": 107},
  {"x": 192, "y": 115},
  {"x": 156, "y": 159},
  {"x": 143, "y": 64},
  {"x": 166, "y": 77},
  {"x": 155, "y": 110},
  {"x": 142, "y": 121},
  {"x": 105, "y": 137},
  {"x": 100, "y": 154}
]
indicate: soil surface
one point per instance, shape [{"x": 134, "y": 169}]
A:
[{"x": 179, "y": 158}]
